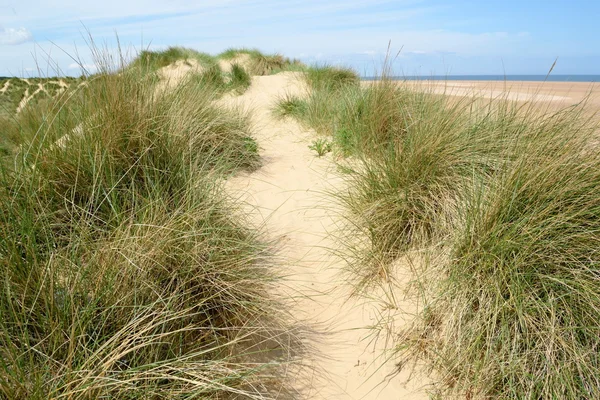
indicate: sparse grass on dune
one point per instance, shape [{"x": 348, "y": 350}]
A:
[
  {"x": 291, "y": 106},
  {"x": 154, "y": 60},
  {"x": 17, "y": 88},
  {"x": 322, "y": 107},
  {"x": 215, "y": 80},
  {"x": 498, "y": 201},
  {"x": 262, "y": 64},
  {"x": 330, "y": 78},
  {"x": 39, "y": 102},
  {"x": 127, "y": 272}
]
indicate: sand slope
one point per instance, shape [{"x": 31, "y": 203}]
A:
[{"x": 288, "y": 195}]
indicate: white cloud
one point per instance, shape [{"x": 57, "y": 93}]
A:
[
  {"x": 313, "y": 29},
  {"x": 12, "y": 36},
  {"x": 85, "y": 67}
]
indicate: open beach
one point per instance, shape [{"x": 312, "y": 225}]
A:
[{"x": 560, "y": 93}]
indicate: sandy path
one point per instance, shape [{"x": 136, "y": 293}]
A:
[{"x": 287, "y": 195}]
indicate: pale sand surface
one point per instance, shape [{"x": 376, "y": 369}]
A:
[
  {"x": 288, "y": 195},
  {"x": 560, "y": 93},
  {"x": 242, "y": 60},
  {"x": 171, "y": 75}
]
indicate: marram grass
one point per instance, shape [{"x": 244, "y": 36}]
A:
[
  {"x": 127, "y": 272},
  {"x": 497, "y": 204}
]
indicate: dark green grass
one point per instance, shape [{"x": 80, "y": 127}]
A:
[{"x": 240, "y": 79}]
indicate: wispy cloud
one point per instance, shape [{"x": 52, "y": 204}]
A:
[
  {"x": 83, "y": 67},
  {"x": 14, "y": 36},
  {"x": 335, "y": 30}
]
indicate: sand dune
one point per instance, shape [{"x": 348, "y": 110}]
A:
[
  {"x": 241, "y": 59},
  {"x": 173, "y": 74}
]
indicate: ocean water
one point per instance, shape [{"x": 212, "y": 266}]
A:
[{"x": 532, "y": 78}]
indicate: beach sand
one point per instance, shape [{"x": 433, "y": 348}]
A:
[{"x": 558, "y": 93}]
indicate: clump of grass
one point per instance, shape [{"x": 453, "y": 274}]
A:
[
  {"x": 322, "y": 109},
  {"x": 291, "y": 106},
  {"x": 331, "y": 78},
  {"x": 501, "y": 196},
  {"x": 127, "y": 272},
  {"x": 240, "y": 79},
  {"x": 234, "y": 52},
  {"x": 518, "y": 295},
  {"x": 154, "y": 60},
  {"x": 320, "y": 146},
  {"x": 364, "y": 119},
  {"x": 403, "y": 193},
  {"x": 211, "y": 79},
  {"x": 260, "y": 63},
  {"x": 267, "y": 64}
]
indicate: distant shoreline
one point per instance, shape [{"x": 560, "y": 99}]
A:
[
  {"x": 560, "y": 92},
  {"x": 508, "y": 78}
]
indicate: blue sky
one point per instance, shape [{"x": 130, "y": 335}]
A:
[{"x": 436, "y": 37}]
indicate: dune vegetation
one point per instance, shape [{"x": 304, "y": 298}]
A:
[
  {"x": 258, "y": 63},
  {"x": 153, "y": 60},
  {"x": 127, "y": 271},
  {"x": 229, "y": 72},
  {"x": 130, "y": 273},
  {"x": 494, "y": 206},
  {"x": 17, "y": 93}
]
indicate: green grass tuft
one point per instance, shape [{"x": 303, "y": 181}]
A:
[
  {"x": 331, "y": 78},
  {"x": 260, "y": 63},
  {"x": 321, "y": 147},
  {"x": 291, "y": 106},
  {"x": 154, "y": 60},
  {"x": 240, "y": 79}
]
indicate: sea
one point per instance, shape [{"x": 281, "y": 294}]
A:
[{"x": 532, "y": 78}]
